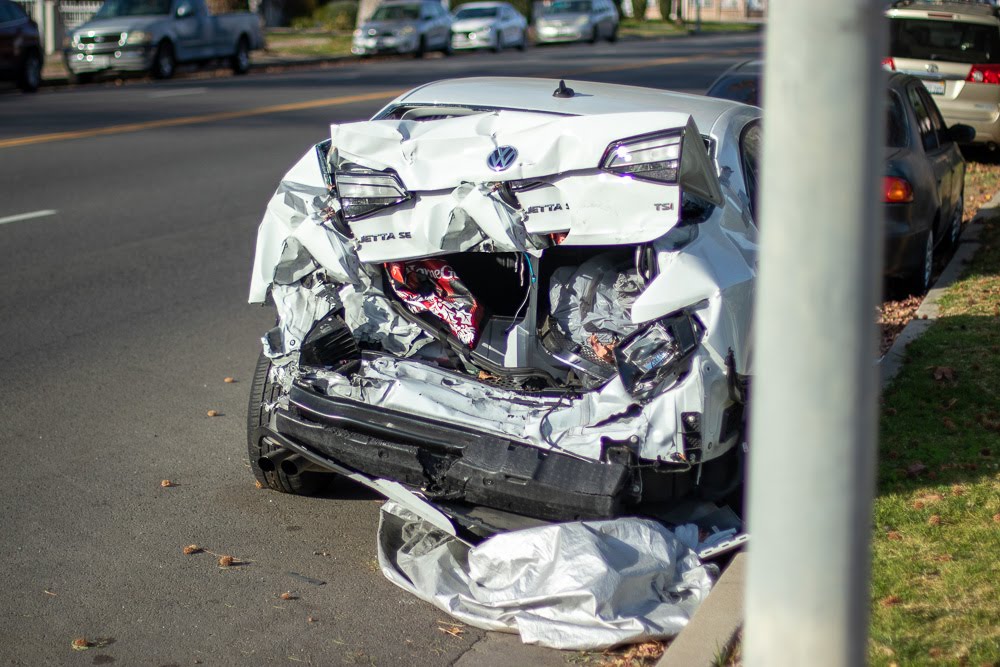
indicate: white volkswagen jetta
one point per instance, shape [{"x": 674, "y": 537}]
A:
[{"x": 520, "y": 294}]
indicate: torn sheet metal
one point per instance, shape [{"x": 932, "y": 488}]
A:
[{"x": 582, "y": 585}]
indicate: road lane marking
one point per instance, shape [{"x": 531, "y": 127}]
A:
[
  {"x": 178, "y": 92},
  {"x": 26, "y": 216},
  {"x": 195, "y": 120},
  {"x": 337, "y": 101}
]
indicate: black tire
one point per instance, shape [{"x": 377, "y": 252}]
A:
[
  {"x": 240, "y": 62},
  {"x": 613, "y": 37},
  {"x": 164, "y": 62},
  {"x": 498, "y": 45},
  {"x": 919, "y": 280},
  {"x": 594, "y": 35},
  {"x": 523, "y": 44},
  {"x": 448, "y": 50},
  {"x": 421, "y": 48},
  {"x": 264, "y": 392},
  {"x": 30, "y": 77},
  {"x": 81, "y": 77}
]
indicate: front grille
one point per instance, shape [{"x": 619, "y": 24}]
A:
[{"x": 101, "y": 39}]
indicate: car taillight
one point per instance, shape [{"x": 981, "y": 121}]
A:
[
  {"x": 984, "y": 74},
  {"x": 889, "y": 64},
  {"x": 896, "y": 190}
]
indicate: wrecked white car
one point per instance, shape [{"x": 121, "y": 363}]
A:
[{"x": 514, "y": 294}]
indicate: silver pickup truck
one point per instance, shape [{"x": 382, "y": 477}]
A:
[{"x": 155, "y": 35}]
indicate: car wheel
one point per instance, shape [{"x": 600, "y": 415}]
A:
[
  {"x": 421, "y": 48},
  {"x": 448, "y": 50},
  {"x": 263, "y": 392},
  {"x": 498, "y": 44},
  {"x": 241, "y": 58},
  {"x": 164, "y": 61},
  {"x": 523, "y": 44},
  {"x": 955, "y": 231},
  {"x": 31, "y": 72},
  {"x": 613, "y": 37},
  {"x": 594, "y": 35},
  {"x": 920, "y": 280}
]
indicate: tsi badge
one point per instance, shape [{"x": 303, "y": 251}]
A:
[{"x": 502, "y": 158}]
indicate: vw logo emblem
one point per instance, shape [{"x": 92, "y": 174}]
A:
[
  {"x": 932, "y": 67},
  {"x": 502, "y": 158}
]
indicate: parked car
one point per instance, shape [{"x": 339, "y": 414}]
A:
[
  {"x": 924, "y": 172},
  {"x": 576, "y": 20},
  {"x": 488, "y": 25},
  {"x": 954, "y": 48},
  {"x": 405, "y": 27},
  {"x": 156, "y": 35},
  {"x": 20, "y": 49},
  {"x": 513, "y": 293}
]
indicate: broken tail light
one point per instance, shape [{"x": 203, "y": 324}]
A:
[
  {"x": 363, "y": 192},
  {"x": 984, "y": 74},
  {"x": 896, "y": 190},
  {"x": 657, "y": 354},
  {"x": 889, "y": 64}
]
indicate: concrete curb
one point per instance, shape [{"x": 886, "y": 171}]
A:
[{"x": 715, "y": 624}]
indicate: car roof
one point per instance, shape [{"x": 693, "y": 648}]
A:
[
  {"x": 591, "y": 98},
  {"x": 472, "y": 5}
]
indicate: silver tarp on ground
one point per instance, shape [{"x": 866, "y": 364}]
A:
[{"x": 582, "y": 585}]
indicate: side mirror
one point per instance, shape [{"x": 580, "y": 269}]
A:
[{"x": 962, "y": 134}]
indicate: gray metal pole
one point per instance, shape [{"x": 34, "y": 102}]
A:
[{"x": 814, "y": 401}]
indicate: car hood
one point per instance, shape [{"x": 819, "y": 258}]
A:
[
  {"x": 388, "y": 26},
  {"x": 118, "y": 24},
  {"x": 471, "y": 25},
  {"x": 561, "y": 18}
]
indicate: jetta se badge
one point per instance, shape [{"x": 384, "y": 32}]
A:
[{"x": 502, "y": 158}]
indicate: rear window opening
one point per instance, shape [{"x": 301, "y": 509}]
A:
[{"x": 950, "y": 41}]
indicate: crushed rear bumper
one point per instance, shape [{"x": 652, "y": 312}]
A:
[{"x": 453, "y": 463}]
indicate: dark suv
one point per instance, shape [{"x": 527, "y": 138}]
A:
[{"x": 20, "y": 48}]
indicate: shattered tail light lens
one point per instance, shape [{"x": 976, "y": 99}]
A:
[
  {"x": 652, "y": 157},
  {"x": 656, "y": 354},
  {"x": 889, "y": 64},
  {"x": 362, "y": 193}
]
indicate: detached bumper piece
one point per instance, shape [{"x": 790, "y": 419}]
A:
[{"x": 449, "y": 463}]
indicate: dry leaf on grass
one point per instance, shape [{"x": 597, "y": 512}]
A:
[
  {"x": 944, "y": 558},
  {"x": 935, "y": 652},
  {"x": 944, "y": 373},
  {"x": 192, "y": 549},
  {"x": 957, "y": 490},
  {"x": 915, "y": 469},
  {"x": 890, "y": 601},
  {"x": 996, "y": 518},
  {"x": 918, "y": 504},
  {"x": 949, "y": 424},
  {"x": 894, "y": 535},
  {"x": 935, "y": 520},
  {"x": 166, "y": 484}
]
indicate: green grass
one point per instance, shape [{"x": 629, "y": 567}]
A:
[
  {"x": 309, "y": 44},
  {"x": 650, "y": 29},
  {"x": 935, "y": 573}
]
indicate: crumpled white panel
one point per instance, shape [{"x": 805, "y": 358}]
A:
[
  {"x": 582, "y": 585},
  {"x": 443, "y": 154}
]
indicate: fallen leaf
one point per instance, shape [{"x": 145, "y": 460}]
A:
[
  {"x": 894, "y": 535},
  {"x": 287, "y": 596},
  {"x": 48, "y": 592},
  {"x": 957, "y": 490},
  {"x": 80, "y": 644},
  {"x": 226, "y": 561},
  {"x": 890, "y": 601},
  {"x": 935, "y": 520},
  {"x": 213, "y": 413},
  {"x": 996, "y": 518},
  {"x": 944, "y": 373},
  {"x": 916, "y": 468},
  {"x": 944, "y": 558},
  {"x": 934, "y": 652},
  {"x": 310, "y": 619},
  {"x": 949, "y": 424},
  {"x": 167, "y": 484},
  {"x": 258, "y": 484},
  {"x": 192, "y": 549},
  {"x": 918, "y": 504},
  {"x": 229, "y": 380},
  {"x": 453, "y": 630}
]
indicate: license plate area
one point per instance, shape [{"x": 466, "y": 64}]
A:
[{"x": 934, "y": 87}]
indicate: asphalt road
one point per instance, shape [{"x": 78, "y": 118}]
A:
[{"x": 120, "y": 315}]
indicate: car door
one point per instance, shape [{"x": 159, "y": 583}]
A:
[
  {"x": 508, "y": 26},
  {"x": 191, "y": 26},
  {"x": 937, "y": 155},
  {"x": 951, "y": 160},
  {"x": 430, "y": 26}
]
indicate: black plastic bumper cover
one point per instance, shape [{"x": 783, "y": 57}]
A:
[{"x": 452, "y": 463}]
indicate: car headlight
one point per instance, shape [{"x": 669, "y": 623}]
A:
[
  {"x": 658, "y": 353},
  {"x": 138, "y": 37},
  {"x": 408, "y": 30},
  {"x": 655, "y": 157},
  {"x": 363, "y": 192}
]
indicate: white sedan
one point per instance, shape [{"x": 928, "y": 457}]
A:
[
  {"x": 488, "y": 25},
  {"x": 514, "y": 293}
]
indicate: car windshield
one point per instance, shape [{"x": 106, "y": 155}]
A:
[
  {"x": 951, "y": 41},
  {"x": 396, "y": 13},
  {"x": 476, "y": 13},
  {"x": 112, "y": 8},
  {"x": 567, "y": 7},
  {"x": 895, "y": 132},
  {"x": 739, "y": 88}
]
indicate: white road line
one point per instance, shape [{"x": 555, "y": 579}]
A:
[
  {"x": 26, "y": 216},
  {"x": 178, "y": 92}
]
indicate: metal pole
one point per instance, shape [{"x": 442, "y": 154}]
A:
[
  {"x": 814, "y": 401},
  {"x": 50, "y": 27}
]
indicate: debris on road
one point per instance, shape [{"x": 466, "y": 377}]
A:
[
  {"x": 192, "y": 549},
  {"x": 287, "y": 595},
  {"x": 213, "y": 413},
  {"x": 81, "y": 644},
  {"x": 227, "y": 561},
  {"x": 167, "y": 484},
  {"x": 229, "y": 380}
]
